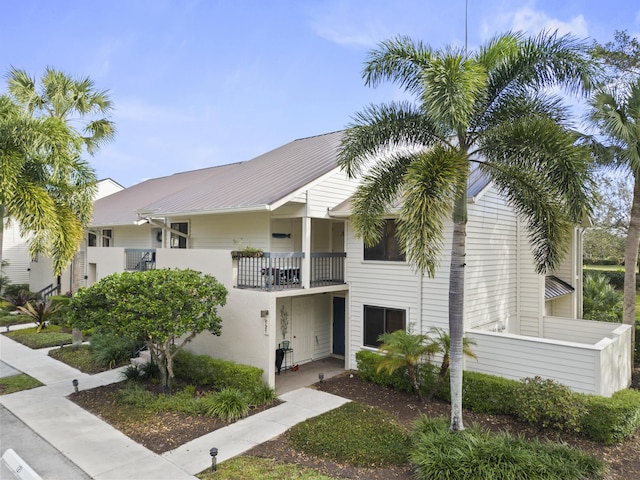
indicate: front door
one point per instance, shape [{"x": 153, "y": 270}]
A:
[
  {"x": 302, "y": 329},
  {"x": 338, "y": 326}
]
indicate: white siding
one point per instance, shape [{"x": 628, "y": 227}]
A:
[
  {"x": 231, "y": 231},
  {"x": 322, "y": 326},
  {"x": 328, "y": 193},
  {"x": 16, "y": 252},
  {"x": 599, "y": 368},
  {"x": 492, "y": 258}
]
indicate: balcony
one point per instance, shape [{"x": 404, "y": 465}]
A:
[
  {"x": 282, "y": 271},
  {"x": 139, "y": 259}
]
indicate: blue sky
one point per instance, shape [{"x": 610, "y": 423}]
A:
[{"x": 198, "y": 83}]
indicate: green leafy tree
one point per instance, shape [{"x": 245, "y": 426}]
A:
[
  {"x": 616, "y": 113},
  {"x": 404, "y": 349},
  {"x": 43, "y": 182},
  {"x": 69, "y": 101},
  {"x": 490, "y": 110},
  {"x": 167, "y": 308}
]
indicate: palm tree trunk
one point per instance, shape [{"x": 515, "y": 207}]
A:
[
  {"x": 456, "y": 308},
  {"x": 1, "y": 230},
  {"x": 630, "y": 264}
]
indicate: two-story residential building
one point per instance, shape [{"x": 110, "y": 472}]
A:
[{"x": 308, "y": 272}]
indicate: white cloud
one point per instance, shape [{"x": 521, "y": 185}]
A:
[{"x": 528, "y": 19}]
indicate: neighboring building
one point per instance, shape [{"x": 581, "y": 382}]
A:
[
  {"x": 15, "y": 248},
  {"x": 334, "y": 295}
]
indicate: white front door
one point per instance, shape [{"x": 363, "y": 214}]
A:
[{"x": 302, "y": 329}]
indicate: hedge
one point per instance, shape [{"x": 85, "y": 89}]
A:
[
  {"x": 368, "y": 362},
  {"x": 219, "y": 374},
  {"x": 612, "y": 420}
]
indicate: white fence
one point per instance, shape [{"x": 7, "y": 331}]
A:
[{"x": 587, "y": 356}]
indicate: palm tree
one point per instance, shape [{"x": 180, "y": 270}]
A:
[
  {"x": 403, "y": 349},
  {"x": 491, "y": 110},
  {"x": 40, "y": 169},
  {"x": 616, "y": 112},
  {"x": 70, "y": 101}
]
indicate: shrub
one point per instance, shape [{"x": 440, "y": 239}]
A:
[
  {"x": 263, "y": 395},
  {"x": 353, "y": 433},
  {"x": 60, "y": 316},
  {"x": 368, "y": 362},
  {"x": 39, "y": 311},
  {"x": 547, "y": 403},
  {"x": 611, "y": 420},
  {"x": 488, "y": 393},
  {"x": 439, "y": 454},
  {"x": 14, "y": 288},
  {"x": 601, "y": 301},
  {"x": 135, "y": 396},
  {"x": 109, "y": 350},
  {"x": 228, "y": 404},
  {"x": 219, "y": 374},
  {"x": 19, "y": 299},
  {"x": 616, "y": 278}
]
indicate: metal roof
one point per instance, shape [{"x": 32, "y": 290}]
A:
[
  {"x": 256, "y": 184},
  {"x": 554, "y": 287}
]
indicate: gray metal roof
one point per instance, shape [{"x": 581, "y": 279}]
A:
[
  {"x": 554, "y": 287},
  {"x": 256, "y": 184},
  {"x": 477, "y": 182}
]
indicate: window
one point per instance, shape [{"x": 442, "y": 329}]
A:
[
  {"x": 107, "y": 236},
  {"x": 388, "y": 248},
  {"x": 178, "y": 241},
  {"x": 379, "y": 320}
]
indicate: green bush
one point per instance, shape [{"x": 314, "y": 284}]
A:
[
  {"x": 489, "y": 394},
  {"x": 14, "y": 288},
  {"x": 616, "y": 278},
  {"x": 439, "y": 454},
  {"x": 368, "y": 362},
  {"x": 109, "y": 350},
  {"x": 60, "y": 316},
  {"x": 229, "y": 404},
  {"x": 263, "y": 395},
  {"x": 547, "y": 403},
  {"x": 353, "y": 433},
  {"x": 219, "y": 374},
  {"x": 611, "y": 420}
]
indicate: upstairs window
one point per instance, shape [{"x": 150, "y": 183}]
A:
[
  {"x": 388, "y": 248},
  {"x": 178, "y": 241},
  {"x": 106, "y": 236},
  {"x": 379, "y": 320}
]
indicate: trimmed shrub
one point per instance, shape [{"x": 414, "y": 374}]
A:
[
  {"x": 14, "y": 288},
  {"x": 217, "y": 373},
  {"x": 368, "y": 362},
  {"x": 439, "y": 454},
  {"x": 612, "y": 420},
  {"x": 489, "y": 394},
  {"x": 547, "y": 403},
  {"x": 60, "y": 316},
  {"x": 353, "y": 433}
]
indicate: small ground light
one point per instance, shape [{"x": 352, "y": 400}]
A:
[
  {"x": 214, "y": 462},
  {"x": 321, "y": 377},
  {"x": 75, "y": 384}
]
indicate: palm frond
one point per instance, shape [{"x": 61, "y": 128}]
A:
[
  {"x": 400, "y": 60},
  {"x": 431, "y": 184},
  {"x": 380, "y": 130}
]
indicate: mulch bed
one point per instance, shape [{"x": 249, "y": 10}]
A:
[{"x": 164, "y": 432}]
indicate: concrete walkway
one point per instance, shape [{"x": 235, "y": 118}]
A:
[{"x": 104, "y": 453}]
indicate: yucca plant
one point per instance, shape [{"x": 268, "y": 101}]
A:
[{"x": 39, "y": 311}]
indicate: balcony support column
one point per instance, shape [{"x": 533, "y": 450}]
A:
[{"x": 306, "y": 249}]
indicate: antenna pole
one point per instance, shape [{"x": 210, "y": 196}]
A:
[{"x": 466, "y": 27}]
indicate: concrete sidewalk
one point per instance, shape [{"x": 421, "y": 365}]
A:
[{"x": 103, "y": 452}]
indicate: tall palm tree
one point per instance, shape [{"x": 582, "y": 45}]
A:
[
  {"x": 491, "y": 110},
  {"x": 71, "y": 101},
  {"x": 616, "y": 112},
  {"x": 39, "y": 170}
]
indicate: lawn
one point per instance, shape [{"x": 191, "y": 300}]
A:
[
  {"x": 51, "y": 336},
  {"x": 17, "y": 383}
]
